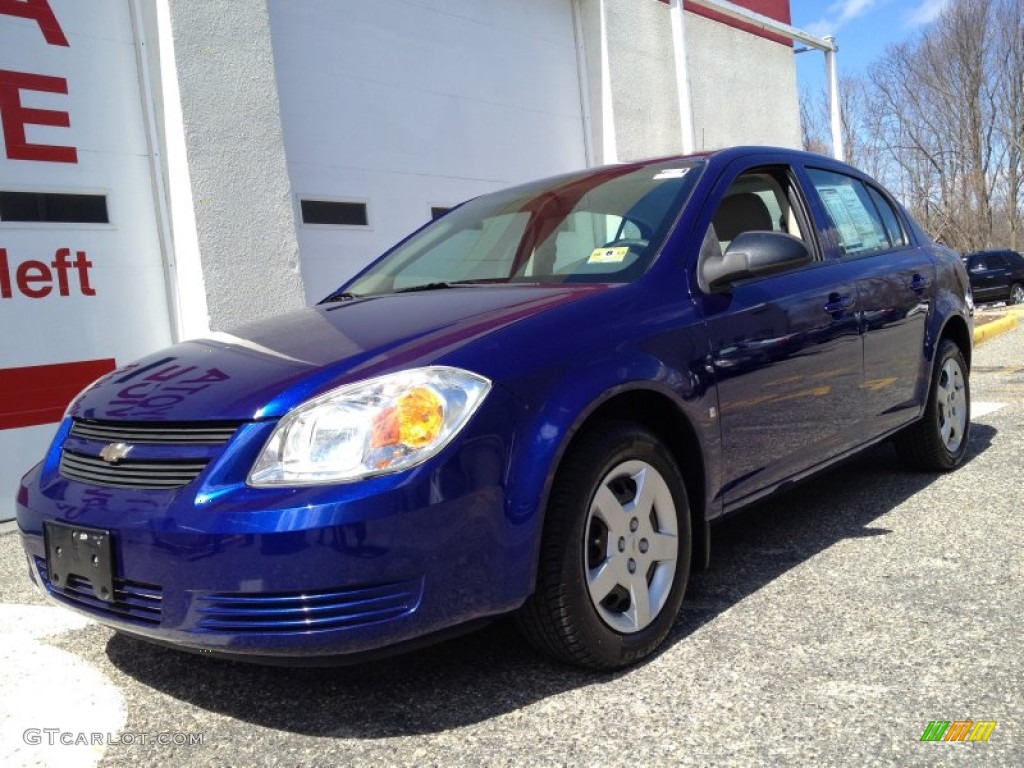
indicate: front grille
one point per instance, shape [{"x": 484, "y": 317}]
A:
[
  {"x": 308, "y": 611},
  {"x": 133, "y": 600},
  {"x": 127, "y": 473},
  {"x": 79, "y": 461},
  {"x": 203, "y": 433}
]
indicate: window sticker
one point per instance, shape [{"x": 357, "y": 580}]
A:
[
  {"x": 855, "y": 225},
  {"x": 608, "y": 255},
  {"x": 671, "y": 173}
]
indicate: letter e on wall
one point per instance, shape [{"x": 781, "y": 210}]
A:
[{"x": 14, "y": 117}]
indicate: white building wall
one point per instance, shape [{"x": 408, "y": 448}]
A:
[
  {"x": 743, "y": 87},
  {"x": 629, "y": 77},
  {"x": 235, "y": 151},
  {"x": 405, "y": 106},
  {"x": 645, "y": 99}
]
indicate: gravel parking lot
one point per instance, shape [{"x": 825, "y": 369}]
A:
[{"x": 835, "y": 622}]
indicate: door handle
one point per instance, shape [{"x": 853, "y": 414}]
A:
[{"x": 918, "y": 284}]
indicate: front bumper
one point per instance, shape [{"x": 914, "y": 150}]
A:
[{"x": 297, "y": 572}]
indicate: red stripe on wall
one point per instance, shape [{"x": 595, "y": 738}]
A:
[
  {"x": 38, "y": 394},
  {"x": 773, "y": 9}
]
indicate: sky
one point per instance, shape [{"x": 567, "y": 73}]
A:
[{"x": 863, "y": 30}]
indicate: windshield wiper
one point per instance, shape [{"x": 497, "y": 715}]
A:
[
  {"x": 340, "y": 296},
  {"x": 424, "y": 287},
  {"x": 452, "y": 284}
]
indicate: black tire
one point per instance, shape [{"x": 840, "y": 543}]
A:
[
  {"x": 561, "y": 619},
  {"x": 1016, "y": 294},
  {"x": 928, "y": 444}
]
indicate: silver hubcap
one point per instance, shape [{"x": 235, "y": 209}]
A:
[
  {"x": 1017, "y": 297},
  {"x": 952, "y": 399},
  {"x": 631, "y": 547}
]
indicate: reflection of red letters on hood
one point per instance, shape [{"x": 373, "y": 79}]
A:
[
  {"x": 35, "y": 279},
  {"x": 162, "y": 389}
]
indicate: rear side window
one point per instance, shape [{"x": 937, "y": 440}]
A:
[
  {"x": 864, "y": 221},
  {"x": 890, "y": 220}
]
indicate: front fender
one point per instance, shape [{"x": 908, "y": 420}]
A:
[{"x": 546, "y": 434}]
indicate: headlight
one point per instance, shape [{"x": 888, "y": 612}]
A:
[{"x": 370, "y": 428}]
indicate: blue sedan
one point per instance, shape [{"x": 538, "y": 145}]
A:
[{"x": 537, "y": 404}]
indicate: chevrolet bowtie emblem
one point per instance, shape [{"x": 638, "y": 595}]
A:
[{"x": 115, "y": 452}]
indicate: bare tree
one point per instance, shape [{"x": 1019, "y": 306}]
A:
[
  {"x": 940, "y": 119},
  {"x": 816, "y": 122},
  {"x": 813, "y": 133},
  {"x": 1010, "y": 126}
]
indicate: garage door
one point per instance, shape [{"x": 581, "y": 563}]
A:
[
  {"x": 82, "y": 285},
  {"x": 392, "y": 110}
]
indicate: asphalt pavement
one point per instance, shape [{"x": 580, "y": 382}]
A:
[{"x": 835, "y": 623}]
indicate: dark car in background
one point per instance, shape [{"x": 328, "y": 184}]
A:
[
  {"x": 536, "y": 404},
  {"x": 996, "y": 275}
]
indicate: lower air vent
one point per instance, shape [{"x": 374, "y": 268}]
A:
[
  {"x": 129, "y": 474},
  {"x": 133, "y": 600},
  {"x": 308, "y": 611}
]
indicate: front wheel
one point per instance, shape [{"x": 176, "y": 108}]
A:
[
  {"x": 938, "y": 442},
  {"x": 1016, "y": 294},
  {"x": 615, "y": 553}
]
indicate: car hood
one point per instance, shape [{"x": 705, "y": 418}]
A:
[{"x": 264, "y": 369}]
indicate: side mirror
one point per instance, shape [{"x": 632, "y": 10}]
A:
[{"x": 754, "y": 254}]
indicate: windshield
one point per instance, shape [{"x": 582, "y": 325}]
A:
[{"x": 601, "y": 226}]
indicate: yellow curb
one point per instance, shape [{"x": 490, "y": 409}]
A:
[{"x": 996, "y": 327}]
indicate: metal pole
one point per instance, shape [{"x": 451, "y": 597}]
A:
[
  {"x": 838, "y": 151},
  {"x": 584, "y": 84},
  {"x": 678, "y": 26}
]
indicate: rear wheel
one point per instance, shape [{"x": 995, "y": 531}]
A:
[
  {"x": 938, "y": 442},
  {"x": 615, "y": 554},
  {"x": 1016, "y": 294}
]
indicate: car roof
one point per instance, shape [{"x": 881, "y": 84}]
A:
[
  {"x": 727, "y": 154},
  {"x": 721, "y": 158}
]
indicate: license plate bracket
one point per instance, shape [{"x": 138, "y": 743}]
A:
[{"x": 72, "y": 550}]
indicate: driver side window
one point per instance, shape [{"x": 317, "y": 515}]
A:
[
  {"x": 756, "y": 201},
  {"x": 762, "y": 200}
]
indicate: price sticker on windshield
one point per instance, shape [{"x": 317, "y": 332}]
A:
[
  {"x": 608, "y": 255},
  {"x": 671, "y": 173}
]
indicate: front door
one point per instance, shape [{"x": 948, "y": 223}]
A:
[{"x": 785, "y": 350}]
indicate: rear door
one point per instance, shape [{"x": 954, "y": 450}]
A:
[
  {"x": 895, "y": 285},
  {"x": 785, "y": 349}
]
